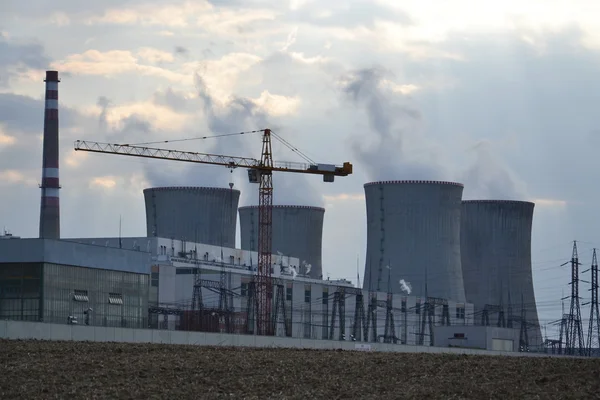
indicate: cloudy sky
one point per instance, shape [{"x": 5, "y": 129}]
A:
[{"x": 501, "y": 96}]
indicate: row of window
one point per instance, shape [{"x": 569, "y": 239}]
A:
[{"x": 82, "y": 296}]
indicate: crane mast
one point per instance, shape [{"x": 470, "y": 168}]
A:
[
  {"x": 265, "y": 238},
  {"x": 259, "y": 171}
]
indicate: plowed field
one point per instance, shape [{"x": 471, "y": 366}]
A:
[{"x": 72, "y": 370}]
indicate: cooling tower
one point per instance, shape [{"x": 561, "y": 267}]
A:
[
  {"x": 196, "y": 214},
  {"x": 414, "y": 227},
  {"x": 50, "y": 205},
  {"x": 496, "y": 258},
  {"x": 297, "y": 232}
]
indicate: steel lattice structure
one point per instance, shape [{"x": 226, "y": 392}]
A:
[{"x": 259, "y": 171}]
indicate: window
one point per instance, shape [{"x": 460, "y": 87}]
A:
[
  {"x": 418, "y": 307},
  {"x": 115, "y": 298},
  {"x": 307, "y": 295},
  {"x": 154, "y": 279},
  {"x": 184, "y": 271},
  {"x": 231, "y": 260},
  {"x": 80, "y": 295},
  {"x": 288, "y": 294},
  {"x": 244, "y": 289},
  {"x": 325, "y": 297},
  {"x": 403, "y": 306},
  {"x": 460, "y": 311}
]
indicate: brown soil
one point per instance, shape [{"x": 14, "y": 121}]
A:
[{"x": 53, "y": 370}]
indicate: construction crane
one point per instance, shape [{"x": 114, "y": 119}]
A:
[{"x": 259, "y": 171}]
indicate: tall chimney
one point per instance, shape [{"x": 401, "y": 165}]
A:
[{"x": 50, "y": 207}]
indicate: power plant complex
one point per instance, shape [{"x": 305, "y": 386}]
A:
[{"x": 439, "y": 271}]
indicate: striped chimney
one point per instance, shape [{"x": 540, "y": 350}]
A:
[{"x": 50, "y": 208}]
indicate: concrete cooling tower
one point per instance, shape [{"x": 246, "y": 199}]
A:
[
  {"x": 297, "y": 232},
  {"x": 496, "y": 258},
  {"x": 414, "y": 227},
  {"x": 202, "y": 214}
]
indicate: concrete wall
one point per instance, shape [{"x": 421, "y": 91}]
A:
[
  {"x": 297, "y": 232},
  {"x": 414, "y": 226},
  {"x": 202, "y": 214},
  {"x": 480, "y": 337},
  {"x": 70, "y": 253},
  {"x": 42, "y": 331},
  {"x": 496, "y": 257}
]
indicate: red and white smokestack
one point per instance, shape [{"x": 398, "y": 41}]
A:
[{"x": 50, "y": 207}]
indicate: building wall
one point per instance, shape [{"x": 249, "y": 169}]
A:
[
  {"x": 414, "y": 227},
  {"x": 163, "y": 250},
  {"x": 297, "y": 232},
  {"x": 477, "y": 337},
  {"x": 51, "y": 293},
  {"x": 200, "y": 214},
  {"x": 496, "y": 257},
  {"x": 21, "y": 291},
  {"x": 309, "y": 317},
  {"x": 116, "y": 298},
  {"x": 72, "y": 252}
]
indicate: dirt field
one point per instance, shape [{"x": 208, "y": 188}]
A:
[{"x": 44, "y": 370}]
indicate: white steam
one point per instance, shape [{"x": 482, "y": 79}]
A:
[
  {"x": 405, "y": 286},
  {"x": 307, "y": 267}
]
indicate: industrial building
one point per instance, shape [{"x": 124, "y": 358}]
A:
[
  {"x": 297, "y": 231},
  {"x": 63, "y": 282},
  {"x": 496, "y": 263},
  {"x": 195, "y": 214},
  {"x": 309, "y": 303},
  {"x": 433, "y": 262},
  {"x": 413, "y": 228}
]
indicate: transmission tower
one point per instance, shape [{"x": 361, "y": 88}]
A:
[
  {"x": 593, "y": 337},
  {"x": 574, "y": 329},
  {"x": 390, "y": 328},
  {"x": 371, "y": 311},
  {"x": 224, "y": 307},
  {"x": 280, "y": 308},
  {"x": 197, "y": 303},
  {"x": 339, "y": 307},
  {"x": 359, "y": 317},
  {"x": 523, "y": 334}
]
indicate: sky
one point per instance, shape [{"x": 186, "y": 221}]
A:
[{"x": 500, "y": 96}]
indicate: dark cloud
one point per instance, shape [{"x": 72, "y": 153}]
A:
[
  {"x": 18, "y": 57},
  {"x": 174, "y": 100},
  {"x": 391, "y": 119},
  {"x": 23, "y": 114},
  {"x": 239, "y": 115},
  {"x": 104, "y": 103},
  {"x": 543, "y": 95},
  {"x": 181, "y": 51}
]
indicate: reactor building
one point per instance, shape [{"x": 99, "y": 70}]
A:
[
  {"x": 413, "y": 228},
  {"x": 496, "y": 261},
  {"x": 297, "y": 232},
  {"x": 195, "y": 214}
]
